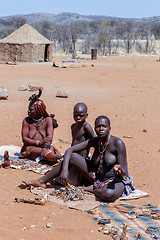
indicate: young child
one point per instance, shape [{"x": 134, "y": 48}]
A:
[{"x": 81, "y": 130}]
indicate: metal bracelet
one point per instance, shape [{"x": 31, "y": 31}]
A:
[{"x": 47, "y": 145}]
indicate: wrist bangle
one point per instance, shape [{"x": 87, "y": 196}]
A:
[{"x": 47, "y": 145}]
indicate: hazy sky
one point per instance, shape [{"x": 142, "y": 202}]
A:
[{"x": 116, "y": 8}]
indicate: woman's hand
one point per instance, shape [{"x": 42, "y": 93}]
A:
[
  {"x": 47, "y": 139},
  {"x": 44, "y": 153},
  {"x": 64, "y": 177},
  {"x": 117, "y": 170}
]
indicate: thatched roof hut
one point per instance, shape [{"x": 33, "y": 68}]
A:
[{"x": 25, "y": 45}]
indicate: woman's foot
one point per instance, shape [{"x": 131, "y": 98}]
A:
[
  {"x": 89, "y": 189},
  {"x": 35, "y": 183}
]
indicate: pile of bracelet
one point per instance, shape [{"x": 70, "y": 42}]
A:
[{"x": 69, "y": 193}]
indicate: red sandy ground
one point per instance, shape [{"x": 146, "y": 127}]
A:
[{"x": 126, "y": 89}]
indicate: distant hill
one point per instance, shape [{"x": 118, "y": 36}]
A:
[
  {"x": 62, "y": 18},
  {"x": 67, "y": 17}
]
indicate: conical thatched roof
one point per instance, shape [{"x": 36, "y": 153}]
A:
[{"x": 24, "y": 35}]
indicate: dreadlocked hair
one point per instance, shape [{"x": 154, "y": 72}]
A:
[{"x": 40, "y": 107}]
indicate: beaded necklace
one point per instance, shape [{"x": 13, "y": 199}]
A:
[
  {"x": 37, "y": 120},
  {"x": 102, "y": 149}
]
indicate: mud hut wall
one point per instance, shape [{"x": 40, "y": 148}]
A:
[
  {"x": 38, "y": 52},
  {"x": 15, "y": 52},
  {"x": 24, "y": 52},
  {"x": 7, "y": 52},
  {"x": 4, "y": 53}
]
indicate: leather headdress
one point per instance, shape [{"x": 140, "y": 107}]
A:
[{"x": 39, "y": 105}]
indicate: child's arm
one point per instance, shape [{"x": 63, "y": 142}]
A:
[{"x": 72, "y": 131}]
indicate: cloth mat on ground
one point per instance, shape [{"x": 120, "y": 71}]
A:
[
  {"x": 134, "y": 195},
  {"x": 16, "y": 163},
  {"x": 12, "y": 150},
  {"x": 89, "y": 202},
  {"x": 139, "y": 219}
]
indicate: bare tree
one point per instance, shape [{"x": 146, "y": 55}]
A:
[
  {"x": 106, "y": 36},
  {"x": 8, "y": 31},
  {"x": 155, "y": 30},
  {"x": 75, "y": 29},
  {"x": 46, "y": 29},
  {"x": 16, "y": 21},
  {"x": 125, "y": 31},
  {"x": 143, "y": 32},
  {"x": 60, "y": 36},
  {"x": 90, "y": 35}
]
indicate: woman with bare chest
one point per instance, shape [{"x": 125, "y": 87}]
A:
[
  {"x": 107, "y": 170},
  {"x": 37, "y": 133}
]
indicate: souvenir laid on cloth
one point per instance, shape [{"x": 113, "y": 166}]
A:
[
  {"x": 89, "y": 201},
  {"x": 131, "y": 220},
  {"x": 69, "y": 193},
  {"x": 56, "y": 194},
  {"x": 36, "y": 166},
  {"x": 28, "y": 165}
]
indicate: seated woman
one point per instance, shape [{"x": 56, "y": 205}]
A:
[
  {"x": 37, "y": 132},
  {"x": 107, "y": 170}
]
